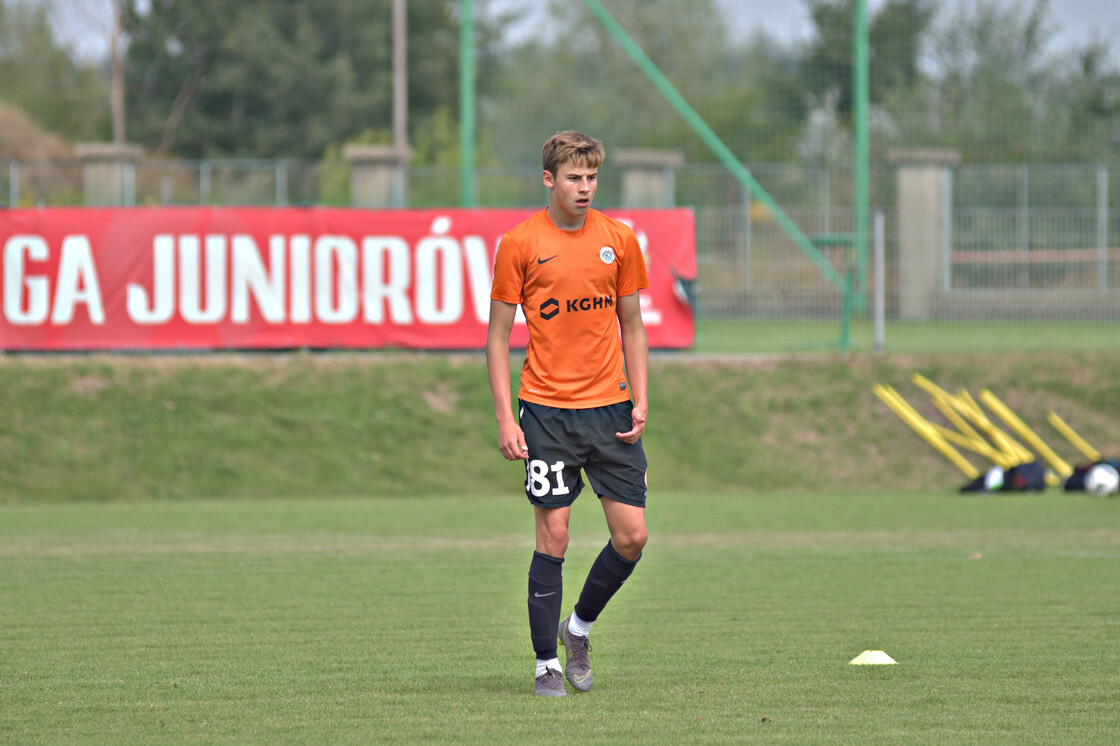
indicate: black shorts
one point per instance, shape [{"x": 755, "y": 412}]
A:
[{"x": 563, "y": 441}]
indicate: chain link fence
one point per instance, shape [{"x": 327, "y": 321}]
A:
[
  {"x": 1020, "y": 242},
  {"x": 1034, "y": 228}
]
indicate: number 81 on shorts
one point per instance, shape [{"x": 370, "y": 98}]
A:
[{"x": 539, "y": 478}]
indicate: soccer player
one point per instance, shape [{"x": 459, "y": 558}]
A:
[{"x": 582, "y": 400}]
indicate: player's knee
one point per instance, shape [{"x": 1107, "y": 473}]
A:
[
  {"x": 640, "y": 539},
  {"x": 631, "y": 541},
  {"x": 556, "y": 532},
  {"x": 553, "y": 540}
]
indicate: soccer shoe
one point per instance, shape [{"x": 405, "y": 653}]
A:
[
  {"x": 550, "y": 684},
  {"x": 577, "y": 664}
]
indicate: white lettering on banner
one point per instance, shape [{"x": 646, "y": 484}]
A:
[
  {"x": 262, "y": 277},
  {"x": 439, "y": 295},
  {"x": 75, "y": 283},
  {"x": 448, "y": 284},
  {"x": 162, "y": 306},
  {"x": 207, "y": 278},
  {"x": 300, "y": 247},
  {"x": 17, "y": 252},
  {"x": 439, "y": 250},
  {"x": 379, "y": 289},
  {"x": 250, "y": 277},
  {"x": 333, "y": 252},
  {"x": 191, "y": 281}
]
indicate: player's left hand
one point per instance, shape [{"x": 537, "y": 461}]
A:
[{"x": 638, "y": 417}]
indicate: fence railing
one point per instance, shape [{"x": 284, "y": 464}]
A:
[{"x": 1037, "y": 241}]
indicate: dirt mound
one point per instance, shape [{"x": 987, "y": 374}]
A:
[{"x": 21, "y": 139}]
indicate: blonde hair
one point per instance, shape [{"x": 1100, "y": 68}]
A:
[{"x": 571, "y": 147}]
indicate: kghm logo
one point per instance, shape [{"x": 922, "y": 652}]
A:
[
  {"x": 550, "y": 308},
  {"x": 590, "y": 304}
]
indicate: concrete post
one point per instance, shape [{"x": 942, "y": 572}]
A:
[
  {"x": 924, "y": 180},
  {"x": 377, "y": 175},
  {"x": 647, "y": 176},
  {"x": 108, "y": 173}
]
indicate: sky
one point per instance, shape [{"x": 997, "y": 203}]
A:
[{"x": 83, "y": 24}]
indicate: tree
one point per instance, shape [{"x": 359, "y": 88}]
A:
[
  {"x": 100, "y": 22},
  {"x": 40, "y": 77},
  {"x": 894, "y": 40},
  {"x": 1090, "y": 94},
  {"x": 280, "y": 78},
  {"x": 992, "y": 69},
  {"x": 997, "y": 91},
  {"x": 573, "y": 74},
  {"x": 761, "y": 98},
  {"x": 760, "y": 103},
  {"x": 116, "y": 70}
]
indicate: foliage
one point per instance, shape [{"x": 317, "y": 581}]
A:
[
  {"x": 40, "y": 77},
  {"x": 287, "y": 78},
  {"x": 436, "y": 141},
  {"x": 753, "y": 103},
  {"x": 894, "y": 38},
  {"x": 757, "y": 96},
  {"x": 977, "y": 77},
  {"x": 996, "y": 92},
  {"x": 333, "y": 174},
  {"x": 575, "y": 75},
  {"x": 280, "y": 78}
]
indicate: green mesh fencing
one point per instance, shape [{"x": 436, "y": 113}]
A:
[{"x": 994, "y": 158}]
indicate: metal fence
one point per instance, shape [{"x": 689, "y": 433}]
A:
[
  {"x": 1033, "y": 228},
  {"x": 1022, "y": 242}
]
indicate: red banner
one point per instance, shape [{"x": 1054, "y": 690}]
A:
[{"x": 259, "y": 278}]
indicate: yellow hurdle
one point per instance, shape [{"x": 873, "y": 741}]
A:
[
  {"x": 951, "y": 414},
  {"x": 1078, "y": 442},
  {"x": 1004, "y": 413},
  {"x": 980, "y": 447},
  {"x": 1004, "y": 442},
  {"x": 1008, "y": 452},
  {"x": 924, "y": 428},
  {"x": 974, "y": 430}
]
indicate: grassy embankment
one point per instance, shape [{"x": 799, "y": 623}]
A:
[{"x": 296, "y": 425}]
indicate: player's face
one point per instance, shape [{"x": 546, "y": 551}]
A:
[{"x": 573, "y": 189}]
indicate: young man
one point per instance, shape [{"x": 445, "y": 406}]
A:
[{"x": 582, "y": 400}]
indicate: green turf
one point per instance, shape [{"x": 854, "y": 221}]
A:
[
  {"x": 903, "y": 337},
  {"x": 401, "y": 620}
]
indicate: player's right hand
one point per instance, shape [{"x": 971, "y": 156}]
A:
[{"x": 511, "y": 442}]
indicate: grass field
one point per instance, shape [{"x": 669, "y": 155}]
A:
[
  {"x": 402, "y": 620},
  {"x": 294, "y": 548},
  {"x": 902, "y": 337}
]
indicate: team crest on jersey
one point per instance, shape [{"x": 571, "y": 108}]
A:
[{"x": 607, "y": 255}]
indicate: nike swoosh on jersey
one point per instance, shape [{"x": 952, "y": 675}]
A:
[{"x": 542, "y": 261}]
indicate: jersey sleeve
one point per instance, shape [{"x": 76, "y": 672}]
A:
[
  {"x": 509, "y": 272},
  {"x": 632, "y": 270}
]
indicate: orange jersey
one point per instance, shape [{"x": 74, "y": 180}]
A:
[{"x": 568, "y": 284}]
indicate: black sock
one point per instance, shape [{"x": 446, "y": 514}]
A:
[
  {"x": 609, "y": 571},
  {"x": 546, "y": 592}
]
